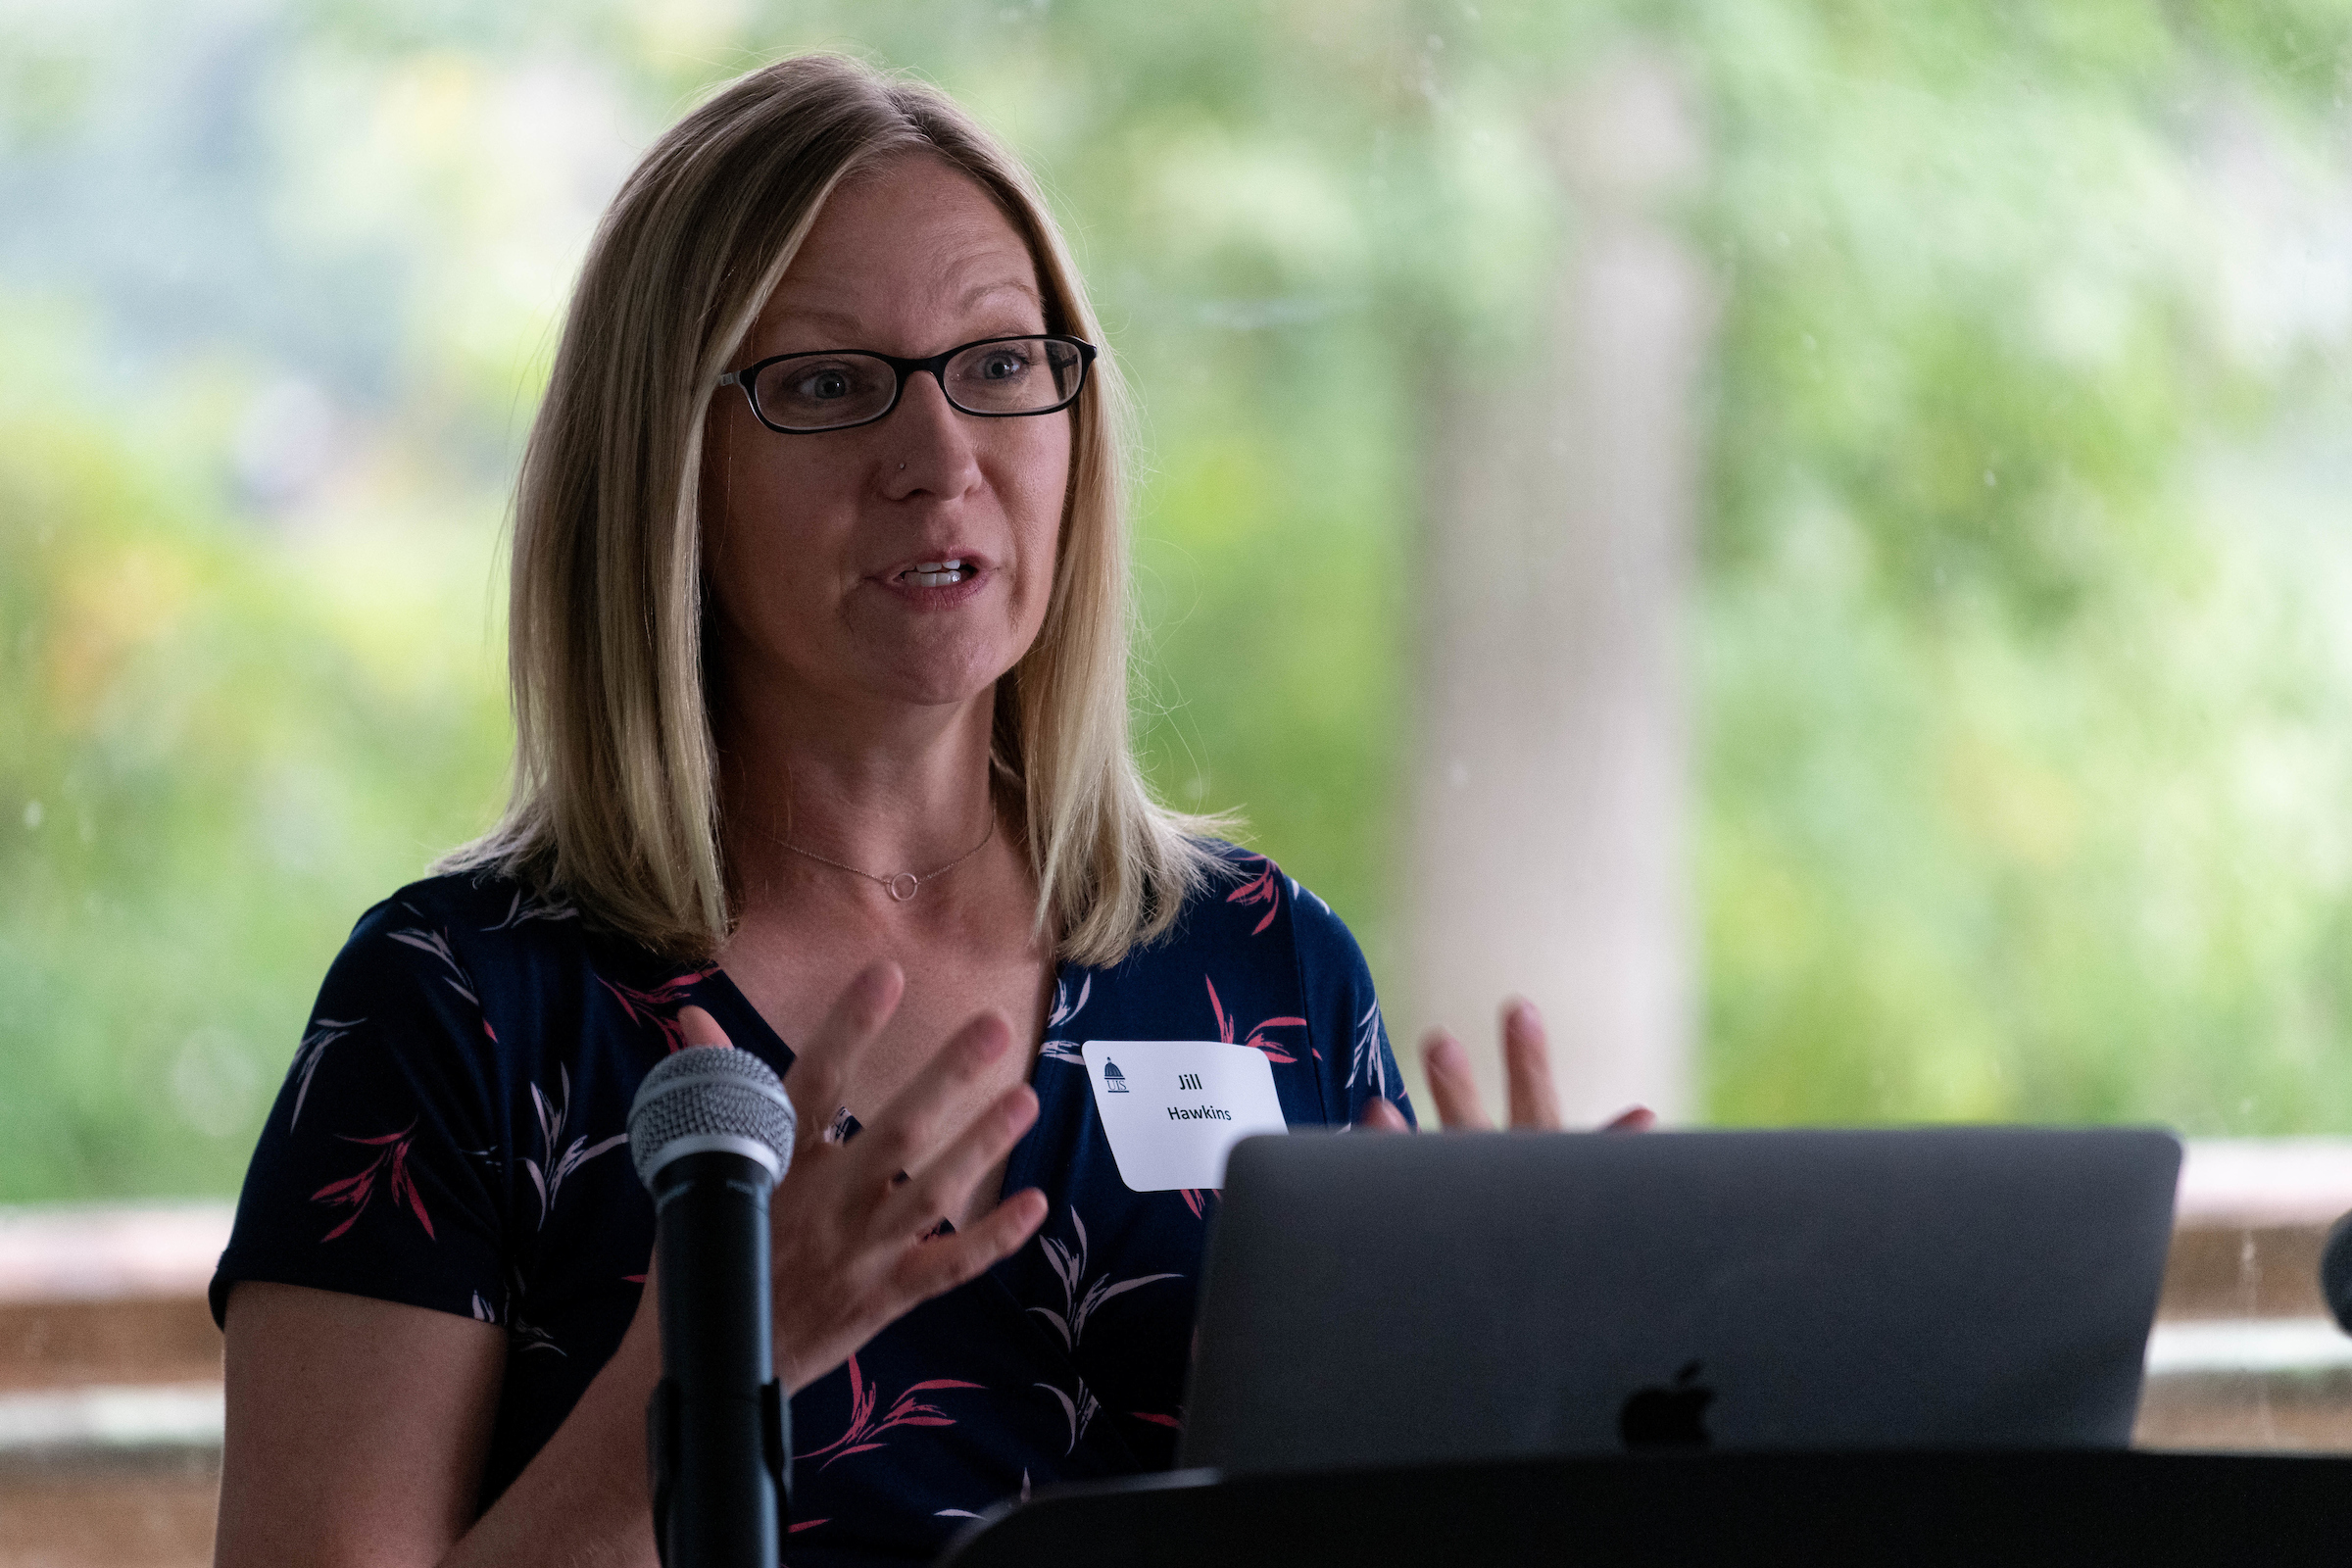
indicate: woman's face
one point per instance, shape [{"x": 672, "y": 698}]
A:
[{"x": 815, "y": 546}]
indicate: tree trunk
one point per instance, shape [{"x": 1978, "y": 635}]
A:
[{"x": 1552, "y": 778}]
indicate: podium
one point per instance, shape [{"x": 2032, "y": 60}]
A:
[{"x": 1975, "y": 1507}]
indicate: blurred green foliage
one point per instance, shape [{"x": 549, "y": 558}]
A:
[{"x": 2022, "y": 692}]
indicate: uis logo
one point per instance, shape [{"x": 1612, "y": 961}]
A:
[
  {"x": 1114, "y": 1082},
  {"x": 1668, "y": 1417}
]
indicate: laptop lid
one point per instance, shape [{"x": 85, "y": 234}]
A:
[{"x": 1400, "y": 1299}]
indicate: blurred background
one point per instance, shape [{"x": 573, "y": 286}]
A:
[
  {"x": 1811, "y": 538},
  {"x": 1974, "y": 540}
]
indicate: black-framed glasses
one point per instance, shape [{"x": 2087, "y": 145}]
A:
[{"x": 839, "y": 389}]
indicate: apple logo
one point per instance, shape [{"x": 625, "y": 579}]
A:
[{"x": 1672, "y": 1416}]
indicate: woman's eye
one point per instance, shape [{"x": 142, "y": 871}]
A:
[
  {"x": 823, "y": 386},
  {"x": 1003, "y": 365}
]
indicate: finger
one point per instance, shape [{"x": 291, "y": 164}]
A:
[
  {"x": 1637, "y": 1119},
  {"x": 700, "y": 1028},
  {"x": 943, "y": 1185},
  {"x": 908, "y": 1131},
  {"x": 1382, "y": 1116},
  {"x": 1527, "y": 1067},
  {"x": 936, "y": 1267},
  {"x": 1451, "y": 1083},
  {"x": 820, "y": 1067}
]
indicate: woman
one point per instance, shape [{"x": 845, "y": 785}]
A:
[{"x": 819, "y": 668}]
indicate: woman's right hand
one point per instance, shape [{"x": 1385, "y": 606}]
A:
[
  {"x": 851, "y": 1226},
  {"x": 1534, "y": 1104}
]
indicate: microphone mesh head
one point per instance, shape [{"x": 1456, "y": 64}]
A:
[{"x": 705, "y": 1092}]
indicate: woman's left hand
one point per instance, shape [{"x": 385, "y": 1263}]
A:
[{"x": 1534, "y": 1106}]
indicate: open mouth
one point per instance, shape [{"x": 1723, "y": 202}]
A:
[{"x": 939, "y": 573}]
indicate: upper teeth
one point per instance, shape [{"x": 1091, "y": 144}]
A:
[{"x": 937, "y": 573}]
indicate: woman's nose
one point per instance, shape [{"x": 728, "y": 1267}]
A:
[{"x": 930, "y": 446}]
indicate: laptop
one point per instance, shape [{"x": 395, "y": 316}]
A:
[{"x": 1388, "y": 1300}]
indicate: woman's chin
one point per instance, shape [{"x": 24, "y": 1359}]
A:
[{"x": 940, "y": 682}]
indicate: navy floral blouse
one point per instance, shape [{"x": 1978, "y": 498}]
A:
[{"x": 452, "y": 1135}]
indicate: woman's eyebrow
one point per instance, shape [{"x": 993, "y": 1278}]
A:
[{"x": 1010, "y": 285}]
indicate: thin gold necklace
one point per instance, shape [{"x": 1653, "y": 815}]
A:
[{"x": 905, "y": 884}]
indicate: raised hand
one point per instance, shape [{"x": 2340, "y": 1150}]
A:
[
  {"x": 1534, "y": 1103},
  {"x": 849, "y": 1225}
]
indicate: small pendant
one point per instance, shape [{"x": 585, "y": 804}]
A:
[{"x": 901, "y": 887}]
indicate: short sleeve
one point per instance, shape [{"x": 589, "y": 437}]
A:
[
  {"x": 379, "y": 1171},
  {"x": 1343, "y": 1009}
]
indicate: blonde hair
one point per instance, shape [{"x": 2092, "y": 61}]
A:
[{"x": 614, "y": 803}]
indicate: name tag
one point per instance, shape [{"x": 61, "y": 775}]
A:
[{"x": 1174, "y": 1109}]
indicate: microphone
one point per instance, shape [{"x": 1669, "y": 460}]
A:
[
  {"x": 710, "y": 1132},
  {"x": 2335, "y": 1272}
]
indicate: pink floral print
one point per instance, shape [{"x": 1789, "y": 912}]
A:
[
  {"x": 1258, "y": 1034},
  {"x": 390, "y": 1166},
  {"x": 866, "y": 1425},
  {"x": 659, "y": 1005},
  {"x": 1263, "y": 888}
]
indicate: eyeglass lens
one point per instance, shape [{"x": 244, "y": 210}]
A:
[{"x": 1010, "y": 375}]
